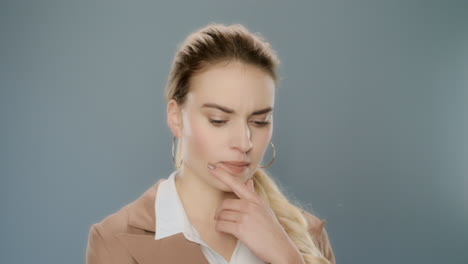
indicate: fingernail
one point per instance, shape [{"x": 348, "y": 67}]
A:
[{"x": 211, "y": 166}]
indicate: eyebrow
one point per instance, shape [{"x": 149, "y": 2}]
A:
[{"x": 230, "y": 111}]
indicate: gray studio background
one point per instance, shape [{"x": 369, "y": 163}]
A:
[{"x": 371, "y": 118}]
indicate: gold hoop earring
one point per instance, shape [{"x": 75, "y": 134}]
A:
[
  {"x": 274, "y": 156},
  {"x": 173, "y": 159}
]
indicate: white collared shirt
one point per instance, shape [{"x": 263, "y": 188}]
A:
[{"x": 172, "y": 219}]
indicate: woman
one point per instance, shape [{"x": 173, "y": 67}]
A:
[{"x": 219, "y": 205}]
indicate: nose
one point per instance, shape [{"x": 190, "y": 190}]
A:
[{"x": 241, "y": 138}]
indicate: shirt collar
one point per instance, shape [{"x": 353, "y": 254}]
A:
[{"x": 170, "y": 214}]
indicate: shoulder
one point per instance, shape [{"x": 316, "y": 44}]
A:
[
  {"x": 113, "y": 223},
  {"x": 315, "y": 225},
  {"x": 319, "y": 235},
  {"x": 102, "y": 243},
  {"x": 135, "y": 218}
]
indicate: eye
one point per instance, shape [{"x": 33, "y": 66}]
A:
[
  {"x": 222, "y": 122},
  {"x": 261, "y": 123},
  {"x": 217, "y": 122}
]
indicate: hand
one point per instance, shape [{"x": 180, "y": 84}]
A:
[{"x": 252, "y": 221}]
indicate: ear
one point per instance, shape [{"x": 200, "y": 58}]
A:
[{"x": 174, "y": 118}]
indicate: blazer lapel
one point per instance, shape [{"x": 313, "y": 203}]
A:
[{"x": 139, "y": 237}]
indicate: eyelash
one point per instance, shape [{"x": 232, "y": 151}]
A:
[{"x": 221, "y": 122}]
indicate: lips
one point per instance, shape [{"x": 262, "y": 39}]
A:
[
  {"x": 236, "y": 167},
  {"x": 238, "y": 163}
]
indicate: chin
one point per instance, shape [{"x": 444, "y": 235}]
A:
[{"x": 223, "y": 187}]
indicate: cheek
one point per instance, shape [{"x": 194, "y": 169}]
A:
[
  {"x": 262, "y": 141},
  {"x": 202, "y": 137}
]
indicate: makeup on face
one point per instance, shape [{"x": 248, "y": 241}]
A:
[
  {"x": 234, "y": 167},
  {"x": 219, "y": 119},
  {"x": 237, "y": 167},
  {"x": 229, "y": 117}
]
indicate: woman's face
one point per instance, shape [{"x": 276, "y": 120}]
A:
[{"x": 227, "y": 116}]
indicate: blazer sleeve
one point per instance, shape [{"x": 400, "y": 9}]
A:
[{"x": 96, "y": 251}]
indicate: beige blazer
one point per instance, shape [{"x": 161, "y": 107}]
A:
[{"x": 127, "y": 236}]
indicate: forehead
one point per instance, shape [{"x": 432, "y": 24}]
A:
[{"x": 236, "y": 85}]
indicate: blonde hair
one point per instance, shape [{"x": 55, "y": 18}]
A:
[{"x": 217, "y": 43}]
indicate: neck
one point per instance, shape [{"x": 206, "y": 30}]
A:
[{"x": 200, "y": 200}]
